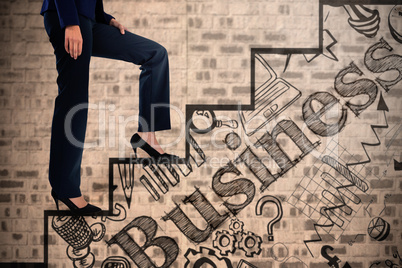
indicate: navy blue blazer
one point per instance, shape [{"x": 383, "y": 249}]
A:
[{"x": 68, "y": 11}]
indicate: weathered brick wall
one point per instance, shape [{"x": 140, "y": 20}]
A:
[{"x": 212, "y": 46}]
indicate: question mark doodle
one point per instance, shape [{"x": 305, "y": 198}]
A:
[{"x": 258, "y": 211}]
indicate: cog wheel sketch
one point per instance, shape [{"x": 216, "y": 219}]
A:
[
  {"x": 224, "y": 242},
  {"x": 250, "y": 244},
  {"x": 236, "y": 226},
  {"x": 195, "y": 259}
]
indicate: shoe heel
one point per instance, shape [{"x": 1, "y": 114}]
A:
[
  {"x": 135, "y": 152},
  {"x": 57, "y": 202}
]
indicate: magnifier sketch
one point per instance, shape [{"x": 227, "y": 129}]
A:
[{"x": 203, "y": 121}]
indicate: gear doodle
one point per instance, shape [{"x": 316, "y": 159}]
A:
[
  {"x": 236, "y": 226},
  {"x": 224, "y": 242},
  {"x": 250, "y": 244},
  {"x": 196, "y": 259},
  {"x": 239, "y": 237}
]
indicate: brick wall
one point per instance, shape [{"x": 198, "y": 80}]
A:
[{"x": 210, "y": 45}]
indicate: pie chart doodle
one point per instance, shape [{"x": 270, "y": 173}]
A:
[{"x": 378, "y": 229}]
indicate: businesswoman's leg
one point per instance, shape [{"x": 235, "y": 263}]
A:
[
  {"x": 67, "y": 140},
  {"x": 154, "y": 112}
]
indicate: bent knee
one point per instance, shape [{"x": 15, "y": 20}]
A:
[{"x": 161, "y": 51}]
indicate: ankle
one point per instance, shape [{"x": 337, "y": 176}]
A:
[{"x": 79, "y": 201}]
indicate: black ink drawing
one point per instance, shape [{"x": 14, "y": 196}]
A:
[
  {"x": 312, "y": 118},
  {"x": 258, "y": 211},
  {"x": 279, "y": 247},
  {"x": 293, "y": 261},
  {"x": 126, "y": 171},
  {"x": 382, "y": 106},
  {"x": 384, "y": 64},
  {"x": 98, "y": 231},
  {"x": 334, "y": 261},
  {"x": 224, "y": 242},
  {"x": 227, "y": 242},
  {"x": 394, "y": 19},
  {"x": 272, "y": 97},
  {"x": 361, "y": 86},
  {"x": 328, "y": 42},
  {"x": 197, "y": 259},
  {"x": 397, "y": 165},
  {"x": 336, "y": 199},
  {"x": 74, "y": 230},
  {"x": 385, "y": 203},
  {"x": 120, "y": 216},
  {"x": 232, "y": 141},
  {"x": 204, "y": 121},
  {"x": 364, "y": 20},
  {"x": 207, "y": 211},
  {"x": 397, "y": 256},
  {"x": 268, "y": 142},
  {"x": 273, "y": 107},
  {"x": 78, "y": 235},
  {"x": 116, "y": 262},
  {"x": 351, "y": 242},
  {"x": 390, "y": 262},
  {"x": 137, "y": 253},
  {"x": 156, "y": 176},
  {"x": 245, "y": 264},
  {"x": 250, "y": 244},
  {"x": 378, "y": 229}
]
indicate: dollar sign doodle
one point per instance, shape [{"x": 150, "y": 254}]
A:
[{"x": 332, "y": 261}]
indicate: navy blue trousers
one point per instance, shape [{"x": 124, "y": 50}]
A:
[{"x": 68, "y": 129}]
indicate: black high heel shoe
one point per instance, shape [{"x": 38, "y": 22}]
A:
[
  {"x": 137, "y": 142},
  {"x": 88, "y": 210}
]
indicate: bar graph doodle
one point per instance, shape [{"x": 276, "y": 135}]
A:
[{"x": 336, "y": 186}]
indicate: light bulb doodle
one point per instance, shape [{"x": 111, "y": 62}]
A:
[
  {"x": 258, "y": 211},
  {"x": 364, "y": 20}
]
